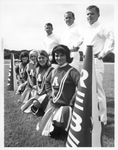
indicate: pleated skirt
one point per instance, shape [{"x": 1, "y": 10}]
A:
[{"x": 54, "y": 116}]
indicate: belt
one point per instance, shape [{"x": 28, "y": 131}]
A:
[
  {"x": 95, "y": 55},
  {"x": 73, "y": 51}
]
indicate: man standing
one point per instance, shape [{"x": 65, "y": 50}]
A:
[
  {"x": 102, "y": 40},
  {"x": 51, "y": 39},
  {"x": 72, "y": 38}
]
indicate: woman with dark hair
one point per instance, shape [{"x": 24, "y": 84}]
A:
[
  {"x": 39, "y": 101},
  {"x": 20, "y": 70},
  {"x": 61, "y": 90}
]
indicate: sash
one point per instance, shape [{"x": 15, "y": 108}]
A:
[{"x": 56, "y": 98}]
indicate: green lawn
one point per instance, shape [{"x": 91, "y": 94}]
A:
[{"x": 20, "y": 128}]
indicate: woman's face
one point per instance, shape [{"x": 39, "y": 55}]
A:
[
  {"x": 60, "y": 58},
  {"x": 33, "y": 58},
  {"x": 42, "y": 60},
  {"x": 24, "y": 59}
]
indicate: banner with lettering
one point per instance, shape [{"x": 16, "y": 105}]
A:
[
  {"x": 85, "y": 127},
  {"x": 12, "y": 84}
]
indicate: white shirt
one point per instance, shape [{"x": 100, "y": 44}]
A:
[
  {"x": 71, "y": 36},
  {"x": 100, "y": 37},
  {"x": 50, "y": 42}
]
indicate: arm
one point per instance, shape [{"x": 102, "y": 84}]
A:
[
  {"x": 75, "y": 75},
  {"x": 107, "y": 34},
  {"x": 48, "y": 86},
  {"x": 17, "y": 69},
  {"x": 78, "y": 40}
]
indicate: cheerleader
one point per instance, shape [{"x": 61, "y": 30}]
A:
[
  {"x": 38, "y": 103},
  {"x": 20, "y": 70},
  {"x": 31, "y": 77},
  {"x": 61, "y": 90}
]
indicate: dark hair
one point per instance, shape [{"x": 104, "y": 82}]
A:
[
  {"x": 93, "y": 6},
  {"x": 24, "y": 54},
  {"x": 49, "y": 24},
  {"x": 62, "y": 49},
  {"x": 70, "y": 12}
]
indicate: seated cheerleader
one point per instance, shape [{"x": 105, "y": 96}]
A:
[
  {"x": 21, "y": 72},
  {"x": 61, "y": 87},
  {"x": 31, "y": 77},
  {"x": 38, "y": 102}
]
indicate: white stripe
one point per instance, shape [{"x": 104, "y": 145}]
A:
[
  {"x": 80, "y": 93},
  {"x": 74, "y": 138},
  {"x": 79, "y": 99},
  {"x": 71, "y": 142},
  {"x": 78, "y": 107},
  {"x": 69, "y": 119},
  {"x": 67, "y": 145}
]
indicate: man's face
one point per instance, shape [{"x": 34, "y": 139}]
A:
[
  {"x": 48, "y": 29},
  {"x": 69, "y": 19},
  {"x": 92, "y": 16}
]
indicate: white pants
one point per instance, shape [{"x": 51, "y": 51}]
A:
[
  {"x": 76, "y": 60},
  {"x": 99, "y": 68}
]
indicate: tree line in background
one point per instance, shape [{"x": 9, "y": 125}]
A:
[{"x": 7, "y": 53}]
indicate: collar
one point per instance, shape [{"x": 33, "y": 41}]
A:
[
  {"x": 72, "y": 25},
  {"x": 94, "y": 24},
  {"x": 50, "y": 35},
  {"x": 63, "y": 65}
]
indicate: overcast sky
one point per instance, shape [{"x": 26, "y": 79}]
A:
[{"x": 23, "y": 20}]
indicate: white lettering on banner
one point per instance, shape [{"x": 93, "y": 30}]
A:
[
  {"x": 79, "y": 99},
  {"x": 78, "y": 107},
  {"x": 84, "y": 77},
  {"x": 80, "y": 93},
  {"x": 72, "y": 139},
  {"x": 71, "y": 142},
  {"x": 76, "y": 118}
]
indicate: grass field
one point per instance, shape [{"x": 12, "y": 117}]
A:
[{"x": 20, "y": 128}]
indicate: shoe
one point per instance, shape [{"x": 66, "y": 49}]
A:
[{"x": 34, "y": 109}]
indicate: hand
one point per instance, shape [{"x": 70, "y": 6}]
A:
[
  {"x": 100, "y": 56},
  {"x": 75, "y": 49}
]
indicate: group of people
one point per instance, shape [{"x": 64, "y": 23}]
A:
[{"x": 49, "y": 91}]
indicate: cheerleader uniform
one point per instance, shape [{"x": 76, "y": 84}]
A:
[
  {"x": 61, "y": 90},
  {"x": 40, "y": 96},
  {"x": 31, "y": 82},
  {"x": 21, "y": 76}
]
